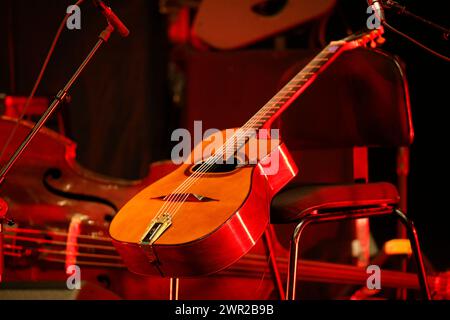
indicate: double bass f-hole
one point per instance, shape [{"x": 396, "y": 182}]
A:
[{"x": 56, "y": 174}]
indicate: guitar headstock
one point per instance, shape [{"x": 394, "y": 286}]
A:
[{"x": 372, "y": 38}]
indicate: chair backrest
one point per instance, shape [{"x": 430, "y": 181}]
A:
[{"x": 360, "y": 100}]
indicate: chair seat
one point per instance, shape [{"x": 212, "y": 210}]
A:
[{"x": 295, "y": 202}]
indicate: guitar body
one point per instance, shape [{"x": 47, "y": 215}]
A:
[
  {"x": 231, "y": 24},
  {"x": 224, "y": 216}
]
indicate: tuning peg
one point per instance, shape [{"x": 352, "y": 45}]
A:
[
  {"x": 381, "y": 40},
  {"x": 373, "y": 44}
]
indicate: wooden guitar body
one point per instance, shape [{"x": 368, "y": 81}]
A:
[
  {"x": 230, "y": 24},
  {"x": 224, "y": 216}
]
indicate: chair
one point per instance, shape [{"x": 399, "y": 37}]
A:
[{"x": 364, "y": 101}]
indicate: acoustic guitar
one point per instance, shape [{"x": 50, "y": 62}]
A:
[
  {"x": 243, "y": 22},
  {"x": 209, "y": 212}
]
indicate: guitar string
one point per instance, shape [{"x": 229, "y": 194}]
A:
[
  {"x": 212, "y": 160},
  {"x": 257, "y": 120},
  {"x": 174, "y": 196},
  {"x": 177, "y": 201},
  {"x": 177, "y": 198}
]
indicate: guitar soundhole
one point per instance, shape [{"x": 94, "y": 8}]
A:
[
  {"x": 269, "y": 8},
  {"x": 216, "y": 168}
]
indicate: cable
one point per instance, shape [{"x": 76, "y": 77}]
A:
[
  {"x": 37, "y": 82},
  {"x": 388, "y": 26}
]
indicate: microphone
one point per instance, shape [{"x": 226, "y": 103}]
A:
[
  {"x": 112, "y": 18},
  {"x": 378, "y": 8}
]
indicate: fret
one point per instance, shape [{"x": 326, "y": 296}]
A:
[
  {"x": 277, "y": 105},
  {"x": 288, "y": 88},
  {"x": 310, "y": 73},
  {"x": 288, "y": 91},
  {"x": 269, "y": 110},
  {"x": 283, "y": 100},
  {"x": 323, "y": 55},
  {"x": 296, "y": 84},
  {"x": 303, "y": 77},
  {"x": 268, "y": 106},
  {"x": 282, "y": 97},
  {"x": 260, "y": 123},
  {"x": 292, "y": 86},
  {"x": 313, "y": 67},
  {"x": 286, "y": 98}
]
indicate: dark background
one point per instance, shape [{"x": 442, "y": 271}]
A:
[
  {"x": 428, "y": 79},
  {"x": 121, "y": 116}
]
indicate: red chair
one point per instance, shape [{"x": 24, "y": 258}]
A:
[{"x": 361, "y": 100}]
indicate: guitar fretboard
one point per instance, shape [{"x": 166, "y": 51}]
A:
[
  {"x": 294, "y": 87},
  {"x": 282, "y": 99}
]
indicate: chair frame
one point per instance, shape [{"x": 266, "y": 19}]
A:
[{"x": 356, "y": 213}]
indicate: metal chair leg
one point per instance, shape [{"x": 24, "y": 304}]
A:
[
  {"x": 293, "y": 259},
  {"x": 293, "y": 252},
  {"x": 268, "y": 235},
  {"x": 414, "y": 239},
  {"x": 174, "y": 284}
]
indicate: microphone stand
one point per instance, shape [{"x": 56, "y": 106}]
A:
[
  {"x": 401, "y": 10},
  {"x": 3, "y": 210},
  {"x": 60, "y": 97}
]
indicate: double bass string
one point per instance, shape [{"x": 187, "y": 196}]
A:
[
  {"x": 251, "y": 263},
  {"x": 55, "y": 233}
]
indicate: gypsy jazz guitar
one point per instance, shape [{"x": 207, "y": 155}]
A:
[{"x": 211, "y": 211}]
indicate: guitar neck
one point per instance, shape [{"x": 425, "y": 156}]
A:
[{"x": 275, "y": 106}]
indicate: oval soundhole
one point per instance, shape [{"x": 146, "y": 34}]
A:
[
  {"x": 269, "y": 8},
  {"x": 216, "y": 168}
]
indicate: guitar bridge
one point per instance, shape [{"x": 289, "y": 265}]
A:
[
  {"x": 185, "y": 197},
  {"x": 156, "y": 229}
]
